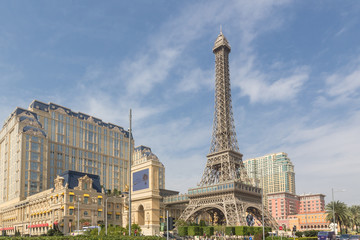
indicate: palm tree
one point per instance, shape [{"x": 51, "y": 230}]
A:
[
  {"x": 341, "y": 213},
  {"x": 354, "y": 212}
]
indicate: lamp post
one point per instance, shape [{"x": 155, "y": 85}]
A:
[
  {"x": 334, "y": 221},
  {"x": 262, "y": 203},
  {"x": 262, "y": 200},
  {"x": 130, "y": 149}
]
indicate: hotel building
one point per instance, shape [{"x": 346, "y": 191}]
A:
[
  {"x": 306, "y": 212},
  {"x": 272, "y": 172},
  {"x": 77, "y": 200},
  {"x": 43, "y": 141}
]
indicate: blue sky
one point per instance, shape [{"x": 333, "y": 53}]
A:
[{"x": 294, "y": 67}]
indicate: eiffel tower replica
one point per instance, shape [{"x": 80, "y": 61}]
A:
[{"x": 225, "y": 193}]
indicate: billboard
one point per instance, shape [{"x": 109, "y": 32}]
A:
[{"x": 140, "y": 180}]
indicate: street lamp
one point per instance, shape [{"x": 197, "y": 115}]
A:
[
  {"x": 334, "y": 222},
  {"x": 262, "y": 200}
]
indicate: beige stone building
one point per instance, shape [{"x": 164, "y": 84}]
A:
[
  {"x": 148, "y": 178},
  {"x": 41, "y": 142},
  {"x": 76, "y": 201}
]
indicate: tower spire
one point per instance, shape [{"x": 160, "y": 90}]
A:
[
  {"x": 224, "y": 135},
  {"x": 224, "y": 160}
]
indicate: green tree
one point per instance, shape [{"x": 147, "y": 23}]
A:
[
  {"x": 354, "y": 216},
  {"x": 341, "y": 213},
  {"x": 133, "y": 228}
]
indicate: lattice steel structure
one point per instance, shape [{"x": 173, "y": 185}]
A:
[
  {"x": 224, "y": 193},
  {"x": 225, "y": 160}
]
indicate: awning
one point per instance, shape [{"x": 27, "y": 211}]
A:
[
  {"x": 86, "y": 195},
  {"x": 71, "y": 193},
  {"x": 71, "y": 207},
  {"x": 99, "y": 210},
  {"x": 109, "y": 213},
  {"x": 39, "y": 225},
  {"x": 118, "y": 213},
  {"x": 7, "y": 228},
  {"x": 99, "y": 196},
  {"x": 62, "y": 207}
]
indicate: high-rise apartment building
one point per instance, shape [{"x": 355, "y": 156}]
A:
[
  {"x": 41, "y": 142},
  {"x": 272, "y": 172}
]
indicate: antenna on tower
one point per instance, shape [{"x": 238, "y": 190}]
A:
[{"x": 220, "y": 29}]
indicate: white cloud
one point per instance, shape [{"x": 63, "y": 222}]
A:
[
  {"x": 343, "y": 85},
  {"x": 327, "y": 156},
  {"x": 195, "y": 79},
  {"x": 260, "y": 87}
]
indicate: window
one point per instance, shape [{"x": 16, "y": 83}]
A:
[
  {"x": 99, "y": 201},
  {"x": 86, "y": 213},
  {"x": 71, "y": 198},
  {"x": 99, "y": 214},
  {"x": 71, "y": 211},
  {"x": 86, "y": 200}
]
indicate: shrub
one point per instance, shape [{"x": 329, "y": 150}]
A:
[
  {"x": 209, "y": 231},
  {"x": 229, "y": 231},
  {"x": 311, "y": 233},
  {"x": 51, "y": 232},
  {"x": 183, "y": 231},
  {"x": 257, "y": 230},
  {"x": 241, "y": 230},
  {"x": 251, "y": 230},
  {"x": 193, "y": 231}
]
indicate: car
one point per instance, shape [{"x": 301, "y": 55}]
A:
[
  {"x": 354, "y": 237},
  {"x": 345, "y": 236},
  {"x": 326, "y": 235}
]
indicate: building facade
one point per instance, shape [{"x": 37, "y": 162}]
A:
[
  {"x": 41, "y": 142},
  {"x": 312, "y": 202},
  {"x": 306, "y": 212},
  {"x": 273, "y": 173},
  {"x": 281, "y": 205},
  {"x": 148, "y": 178},
  {"x": 77, "y": 200}
]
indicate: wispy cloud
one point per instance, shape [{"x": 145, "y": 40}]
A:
[
  {"x": 263, "y": 88},
  {"x": 341, "y": 86}
]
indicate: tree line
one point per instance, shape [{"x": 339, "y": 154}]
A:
[{"x": 347, "y": 217}]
